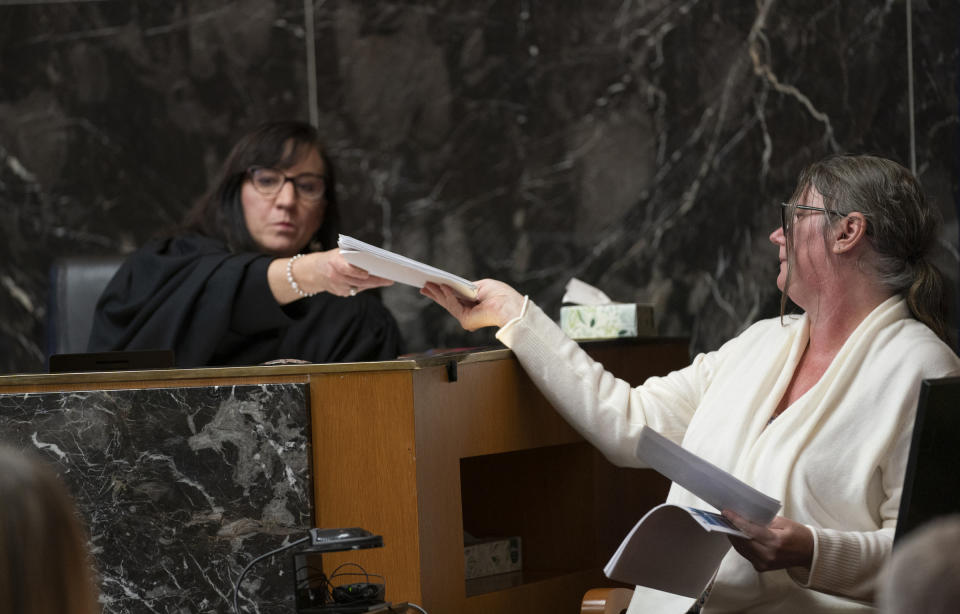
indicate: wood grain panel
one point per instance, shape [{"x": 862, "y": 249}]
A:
[{"x": 365, "y": 471}]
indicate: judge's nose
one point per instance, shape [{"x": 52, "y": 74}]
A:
[{"x": 287, "y": 196}]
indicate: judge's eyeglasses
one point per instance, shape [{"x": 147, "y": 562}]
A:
[{"x": 269, "y": 181}]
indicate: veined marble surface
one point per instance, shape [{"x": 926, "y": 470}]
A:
[
  {"x": 180, "y": 488},
  {"x": 639, "y": 146}
]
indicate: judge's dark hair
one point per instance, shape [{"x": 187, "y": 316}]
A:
[
  {"x": 45, "y": 565},
  {"x": 901, "y": 226},
  {"x": 219, "y": 212}
]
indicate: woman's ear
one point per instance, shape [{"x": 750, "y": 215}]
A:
[{"x": 849, "y": 232}]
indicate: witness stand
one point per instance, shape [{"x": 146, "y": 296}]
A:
[{"x": 422, "y": 451}]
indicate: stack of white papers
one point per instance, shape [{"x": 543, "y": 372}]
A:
[
  {"x": 383, "y": 263},
  {"x": 704, "y": 479},
  {"x": 675, "y": 548}
]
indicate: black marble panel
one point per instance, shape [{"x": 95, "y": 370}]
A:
[
  {"x": 639, "y": 146},
  {"x": 180, "y": 488}
]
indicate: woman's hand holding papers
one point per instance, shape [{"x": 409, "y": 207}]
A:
[
  {"x": 332, "y": 273},
  {"x": 781, "y": 544},
  {"x": 496, "y": 304},
  {"x": 315, "y": 272}
]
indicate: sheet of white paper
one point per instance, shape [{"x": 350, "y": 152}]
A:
[
  {"x": 399, "y": 268},
  {"x": 703, "y": 479},
  {"x": 669, "y": 550}
]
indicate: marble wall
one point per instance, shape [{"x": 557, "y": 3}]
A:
[
  {"x": 180, "y": 488},
  {"x": 637, "y": 145}
]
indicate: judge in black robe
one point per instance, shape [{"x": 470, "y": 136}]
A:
[
  {"x": 224, "y": 290},
  {"x": 214, "y": 307}
]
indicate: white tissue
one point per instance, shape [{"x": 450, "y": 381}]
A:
[{"x": 582, "y": 293}]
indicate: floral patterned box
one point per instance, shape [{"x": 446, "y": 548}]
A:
[{"x": 583, "y": 322}]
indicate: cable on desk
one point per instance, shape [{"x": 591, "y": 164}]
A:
[{"x": 236, "y": 587}]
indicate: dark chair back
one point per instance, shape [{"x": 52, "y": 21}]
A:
[
  {"x": 931, "y": 482},
  {"x": 75, "y": 286}
]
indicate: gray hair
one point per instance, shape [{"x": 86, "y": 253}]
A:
[{"x": 901, "y": 227}]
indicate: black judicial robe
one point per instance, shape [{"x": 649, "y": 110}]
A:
[{"x": 215, "y": 308}]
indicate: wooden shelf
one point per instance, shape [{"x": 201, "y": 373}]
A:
[{"x": 568, "y": 504}]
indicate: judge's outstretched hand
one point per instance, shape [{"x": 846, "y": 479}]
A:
[
  {"x": 496, "y": 304},
  {"x": 337, "y": 276},
  {"x": 783, "y": 543}
]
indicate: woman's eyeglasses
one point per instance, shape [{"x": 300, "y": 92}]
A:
[
  {"x": 269, "y": 181},
  {"x": 786, "y": 221}
]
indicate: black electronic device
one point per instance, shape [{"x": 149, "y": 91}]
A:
[
  {"x": 358, "y": 592},
  {"x": 314, "y": 592},
  {"x": 120, "y": 360},
  {"x": 350, "y": 598},
  {"x": 337, "y": 540},
  {"x": 320, "y": 593},
  {"x": 931, "y": 485}
]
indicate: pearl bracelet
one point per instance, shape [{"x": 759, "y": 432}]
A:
[{"x": 293, "y": 283}]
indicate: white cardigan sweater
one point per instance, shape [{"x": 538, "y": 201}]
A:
[{"x": 835, "y": 457}]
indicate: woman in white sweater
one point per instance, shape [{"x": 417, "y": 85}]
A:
[{"x": 815, "y": 409}]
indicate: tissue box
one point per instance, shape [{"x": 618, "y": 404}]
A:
[
  {"x": 583, "y": 322},
  {"x": 493, "y": 556}
]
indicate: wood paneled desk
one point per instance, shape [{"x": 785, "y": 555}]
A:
[{"x": 421, "y": 451}]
